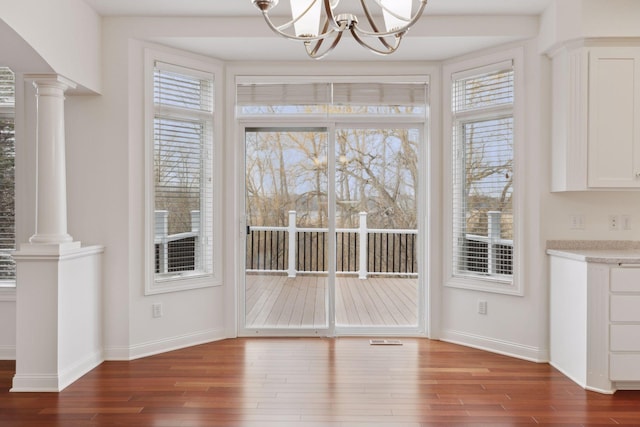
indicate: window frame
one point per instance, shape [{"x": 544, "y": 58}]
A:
[
  {"x": 8, "y": 111},
  {"x": 155, "y": 284},
  {"x": 510, "y": 285}
]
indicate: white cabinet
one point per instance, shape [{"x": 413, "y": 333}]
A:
[
  {"x": 595, "y": 323},
  {"x": 614, "y": 117},
  {"x": 579, "y": 322},
  {"x": 596, "y": 118},
  {"x": 624, "y": 346}
]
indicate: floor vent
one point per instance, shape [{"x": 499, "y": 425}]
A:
[{"x": 384, "y": 342}]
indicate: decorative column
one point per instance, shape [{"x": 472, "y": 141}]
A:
[
  {"x": 59, "y": 282},
  {"x": 51, "y": 190}
]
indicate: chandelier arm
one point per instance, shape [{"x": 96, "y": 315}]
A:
[
  {"x": 279, "y": 30},
  {"x": 330, "y": 16},
  {"x": 313, "y": 52},
  {"x": 398, "y": 31},
  {"x": 336, "y": 25},
  {"x": 373, "y": 25},
  {"x": 390, "y": 49}
]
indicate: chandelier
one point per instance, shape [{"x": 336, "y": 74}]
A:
[{"x": 316, "y": 24}]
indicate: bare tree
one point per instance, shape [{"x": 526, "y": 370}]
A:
[
  {"x": 381, "y": 164},
  {"x": 177, "y": 175},
  {"x": 488, "y": 174}
]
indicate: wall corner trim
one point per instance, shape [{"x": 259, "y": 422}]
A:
[{"x": 506, "y": 348}]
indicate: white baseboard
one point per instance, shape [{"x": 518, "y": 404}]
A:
[
  {"x": 36, "y": 383},
  {"x": 81, "y": 367},
  {"x": 579, "y": 381},
  {"x": 162, "y": 346},
  {"x": 55, "y": 382},
  {"x": 116, "y": 353},
  {"x": 506, "y": 348},
  {"x": 7, "y": 352},
  {"x": 627, "y": 385},
  {"x": 582, "y": 382}
]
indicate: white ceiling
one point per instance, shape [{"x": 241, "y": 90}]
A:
[
  {"x": 245, "y": 8},
  {"x": 422, "y": 43}
]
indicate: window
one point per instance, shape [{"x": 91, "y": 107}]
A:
[
  {"x": 364, "y": 99},
  {"x": 483, "y": 174},
  {"x": 334, "y": 187},
  {"x": 180, "y": 178},
  {"x": 7, "y": 178}
]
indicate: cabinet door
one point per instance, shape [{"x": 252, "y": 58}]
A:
[
  {"x": 614, "y": 117},
  {"x": 625, "y": 279}
]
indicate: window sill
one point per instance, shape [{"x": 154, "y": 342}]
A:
[
  {"x": 491, "y": 285},
  {"x": 181, "y": 283}
]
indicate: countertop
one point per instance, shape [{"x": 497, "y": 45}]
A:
[{"x": 597, "y": 251}]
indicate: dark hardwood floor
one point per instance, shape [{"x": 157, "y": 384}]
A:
[{"x": 318, "y": 382}]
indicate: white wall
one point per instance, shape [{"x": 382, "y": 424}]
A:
[
  {"x": 16, "y": 54},
  {"x": 566, "y": 20},
  {"x": 41, "y": 37},
  {"x": 65, "y": 33},
  {"x": 519, "y": 325},
  {"x": 7, "y": 324},
  {"x": 596, "y": 208},
  {"x": 97, "y": 195},
  {"x": 515, "y": 325},
  {"x": 189, "y": 317}
]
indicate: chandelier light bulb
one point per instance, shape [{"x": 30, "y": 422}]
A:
[
  {"x": 396, "y": 13},
  {"x": 306, "y": 17}
]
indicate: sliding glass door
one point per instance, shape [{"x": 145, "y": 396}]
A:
[
  {"x": 287, "y": 228},
  {"x": 330, "y": 255},
  {"x": 376, "y": 187}
]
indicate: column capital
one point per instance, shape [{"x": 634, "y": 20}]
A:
[{"x": 50, "y": 80}]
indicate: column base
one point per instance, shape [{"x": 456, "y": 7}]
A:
[
  {"x": 48, "y": 248},
  {"x": 50, "y": 239}
]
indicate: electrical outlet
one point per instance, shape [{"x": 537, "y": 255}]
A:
[
  {"x": 576, "y": 222},
  {"x": 482, "y": 307},
  {"x": 614, "y": 222},
  {"x": 156, "y": 309}
]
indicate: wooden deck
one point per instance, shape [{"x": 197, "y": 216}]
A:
[{"x": 274, "y": 301}]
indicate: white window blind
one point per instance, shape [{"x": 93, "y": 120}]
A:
[
  {"x": 390, "y": 94},
  {"x": 182, "y": 163},
  {"x": 336, "y": 98},
  {"x": 7, "y": 177},
  {"x": 267, "y": 94},
  {"x": 483, "y": 222}
]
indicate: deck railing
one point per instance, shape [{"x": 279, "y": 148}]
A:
[
  {"x": 176, "y": 252},
  {"x": 491, "y": 254},
  {"x": 297, "y": 250}
]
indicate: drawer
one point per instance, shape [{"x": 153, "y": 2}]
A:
[
  {"x": 625, "y": 308},
  {"x": 625, "y": 338},
  {"x": 625, "y": 279},
  {"x": 624, "y": 367}
]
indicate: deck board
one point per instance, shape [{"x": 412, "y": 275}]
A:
[{"x": 278, "y": 301}]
